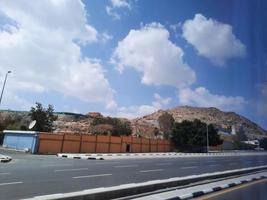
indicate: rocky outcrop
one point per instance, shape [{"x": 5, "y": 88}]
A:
[{"x": 222, "y": 120}]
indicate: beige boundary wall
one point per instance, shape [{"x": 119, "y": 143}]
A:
[{"x": 50, "y": 143}]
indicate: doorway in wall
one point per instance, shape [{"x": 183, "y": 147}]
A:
[{"x": 128, "y": 148}]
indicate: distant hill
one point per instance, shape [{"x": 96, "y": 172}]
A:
[
  {"x": 146, "y": 125},
  {"x": 222, "y": 120}
]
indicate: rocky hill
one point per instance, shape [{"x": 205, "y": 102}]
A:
[
  {"x": 226, "y": 121},
  {"x": 148, "y": 126}
]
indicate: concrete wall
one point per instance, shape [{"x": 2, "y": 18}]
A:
[{"x": 78, "y": 143}]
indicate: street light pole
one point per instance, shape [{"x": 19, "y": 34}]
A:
[
  {"x": 207, "y": 138},
  {"x": 4, "y": 86}
]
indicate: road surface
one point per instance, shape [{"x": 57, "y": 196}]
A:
[{"x": 32, "y": 175}]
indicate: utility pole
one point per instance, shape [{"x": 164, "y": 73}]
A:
[
  {"x": 4, "y": 86},
  {"x": 207, "y": 138}
]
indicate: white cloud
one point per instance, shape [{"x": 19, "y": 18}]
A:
[
  {"x": 139, "y": 111},
  {"x": 120, "y": 4},
  {"x": 43, "y": 50},
  {"x": 115, "y": 5},
  {"x": 106, "y": 37},
  {"x": 150, "y": 52},
  {"x": 15, "y": 102},
  {"x": 204, "y": 98},
  {"x": 160, "y": 62},
  {"x": 132, "y": 112},
  {"x": 110, "y": 11},
  {"x": 212, "y": 39},
  {"x": 160, "y": 101}
]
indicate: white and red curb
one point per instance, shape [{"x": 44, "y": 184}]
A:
[
  {"x": 84, "y": 157},
  {"x": 104, "y": 156}
]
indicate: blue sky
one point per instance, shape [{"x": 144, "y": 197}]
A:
[{"x": 130, "y": 58}]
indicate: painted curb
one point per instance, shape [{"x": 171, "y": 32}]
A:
[
  {"x": 80, "y": 157},
  {"x": 102, "y": 156},
  {"x": 215, "y": 189}
]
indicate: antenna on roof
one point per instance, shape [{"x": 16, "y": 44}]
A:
[{"x": 32, "y": 124}]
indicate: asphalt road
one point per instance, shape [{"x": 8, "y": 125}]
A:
[
  {"x": 256, "y": 191},
  {"x": 32, "y": 175}
]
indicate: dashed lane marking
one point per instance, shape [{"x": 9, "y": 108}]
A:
[
  {"x": 233, "y": 164},
  {"x": 57, "y": 165},
  {"x": 151, "y": 170},
  {"x": 4, "y": 173},
  {"x": 163, "y": 164},
  {"x": 68, "y": 170},
  {"x": 10, "y": 183},
  {"x": 92, "y": 176},
  {"x": 215, "y": 165},
  {"x": 193, "y": 162},
  {"x": 106, "y": 163},
  {"x": 188, "y": 167},
  {"x": 126, "y": 166}
]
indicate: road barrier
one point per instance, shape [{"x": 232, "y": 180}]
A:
[
  {"x": 138, "y": 188},
  {"x": 203, "y": 189}
]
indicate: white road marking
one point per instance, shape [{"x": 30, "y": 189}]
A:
[
  {"x": 188, "y": 167},
  {"x": 53, "y": 165},
  {"x": 105, "y": 163},
  {"x": 151, "y": 170},
  {"x": 233, "y": 164},
  {"x": 211, "y": 161},
  {"x": 122, "y": 166},
  {"x": 92, "y": 176},
  {"x": 214, "y": 165},
  {"x": 163, "y": 164},
  {"x": 191, "y": 161},
  {"x": 67, "y": 170},
  {"x": 10, "y": 183},
  {"x": 4, "y": 173}
]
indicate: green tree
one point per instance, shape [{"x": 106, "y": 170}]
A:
[
  {"x": 166, "y": 122},
  {"x": 44, "y": 117},
  {"x": 191, "y": 135},
  {"x": 238, "y": 141}
]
